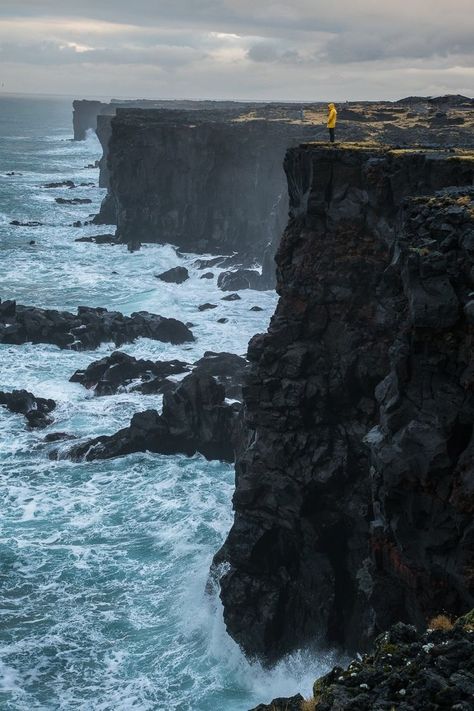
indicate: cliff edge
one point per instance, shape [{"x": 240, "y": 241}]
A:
[{"x": 354, "y": 494}]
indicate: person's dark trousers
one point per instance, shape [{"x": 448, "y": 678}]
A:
[{"x": 332, "y": 134}]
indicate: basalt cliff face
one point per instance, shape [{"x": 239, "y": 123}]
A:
[
  {"x": 204, "y": 181},
  {"x": 354, "y": 483}
]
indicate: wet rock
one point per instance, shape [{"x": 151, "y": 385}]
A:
[
  {"x": 212, "y": 262},
  {"x": 60, "y": 184},
  {"x": 231, "y": 297},
  {"x": 73, "y": 201},
  {"x": 207, "y": 275},
  {"x": 280, "y": 704},
  {"x": 195, "y": 418},
  {"x": 87, "y": 329},
  {"x": 59, "y": 437},
  {"x": 78, "y": 223},
  {"x": 176, "y": 275},
  {"x": 256, "y": 308},
  {"x": 240, "y": 279},
  {"x": 353, "y": 507},
  {"x": 36, "y": 409},
  {"x": 99, "y": 239},
  {"x": 206, "y": 307},
  {"x": 27, "y": 223},
  {"x": 119, "y": 370},
  {"x": 222, "y": 320},
  {"x": 32, "y": 241},
  {"x": 229, "y": 370}
]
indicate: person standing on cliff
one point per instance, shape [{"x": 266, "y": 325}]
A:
[{"x": 332, "y": 118}]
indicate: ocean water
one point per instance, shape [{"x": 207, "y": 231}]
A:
[{"x": 103, "y": 565}]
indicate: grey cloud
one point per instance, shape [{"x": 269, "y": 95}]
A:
[
  {"x": 399, "y": 44},
  {"x": 51, "y": 53},
  {"x": 263, "y": 52},
  {"x": 370, "y": 46}
]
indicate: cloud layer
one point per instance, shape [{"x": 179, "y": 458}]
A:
[{"x": 309, "y": 49}]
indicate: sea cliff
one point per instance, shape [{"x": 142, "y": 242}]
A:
[{"x": 354, "y": 499}]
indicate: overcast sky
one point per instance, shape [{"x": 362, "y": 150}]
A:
[{"x": 247, "y": 49}]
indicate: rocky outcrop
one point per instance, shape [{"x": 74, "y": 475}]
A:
[
  {"x": 35, "y": 409},
  {"x": 120, "y": 370},
  {"x": 87, "y": 329},
  {"x": 196, "y": 417},
  {"x": 353, "y": 502},
  {"x": 84, "y": 117},
  {"x": 405, "y": 670},
  {"x": 176, "y": 275}
]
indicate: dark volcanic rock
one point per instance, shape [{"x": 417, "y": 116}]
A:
[
  {"x": 220, "y": 186},
  {"x": 405, "y": 670},
  {"x": 207, "y": 275},
  {"x": 286, "y": 704},
  {"x": 108, "y": 212},
  {"x": 60, "y": 184},
  {"x": 35, "y": 409},
  {"x": 229, "y": 370},
  {"x": 84, "y": 117},
  {"x": 354, "y": 498},
  {"x": 27, "y": 223},
  {"x": 176, "y": 275},
  {"x": 231, "y": 297},
  {"x": 73, "y": 201},
  {"x": 206, "y": 307},
  {"x": 99, "y": 239},
  {"x": 195, "y": 418},
  {"x": 240, "y": 279},
  {"x": 87, "y": 329},
  {"x": 118, "y": 370},
  {"x": 59, "y": 437}
]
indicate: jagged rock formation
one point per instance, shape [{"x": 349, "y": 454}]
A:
[
  {"x": 35, "y": 409},
  {"x": 354, "y": 497},
  {"x": 87, "y": 329},
  {"x": 196, "y": 416},
  {"x": 406, "y": 671},
  {"x": 120, "y": 370}
]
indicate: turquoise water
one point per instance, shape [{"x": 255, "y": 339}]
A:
[{"x": 103, "y": 565}]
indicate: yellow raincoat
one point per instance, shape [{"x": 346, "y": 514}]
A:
[{"x": 332, "y": 116}]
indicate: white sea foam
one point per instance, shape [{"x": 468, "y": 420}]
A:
[{"x": 104, "y": 564}]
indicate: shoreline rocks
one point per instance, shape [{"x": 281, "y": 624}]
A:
[
  {"x": 196, "y": 415},
  {"x": 195, "y": 418},
  {"x": 87, "y": 329},
  {"x": 405, "y": 670},
  {"x": 119, "y": 370},
  {"x": 35, "y": 409},
  {"x": 176, "y": 275}
]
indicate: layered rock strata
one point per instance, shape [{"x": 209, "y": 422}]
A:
[
  {"x": 203, "y": 181},
  {"x": 354, "y": 496}
]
